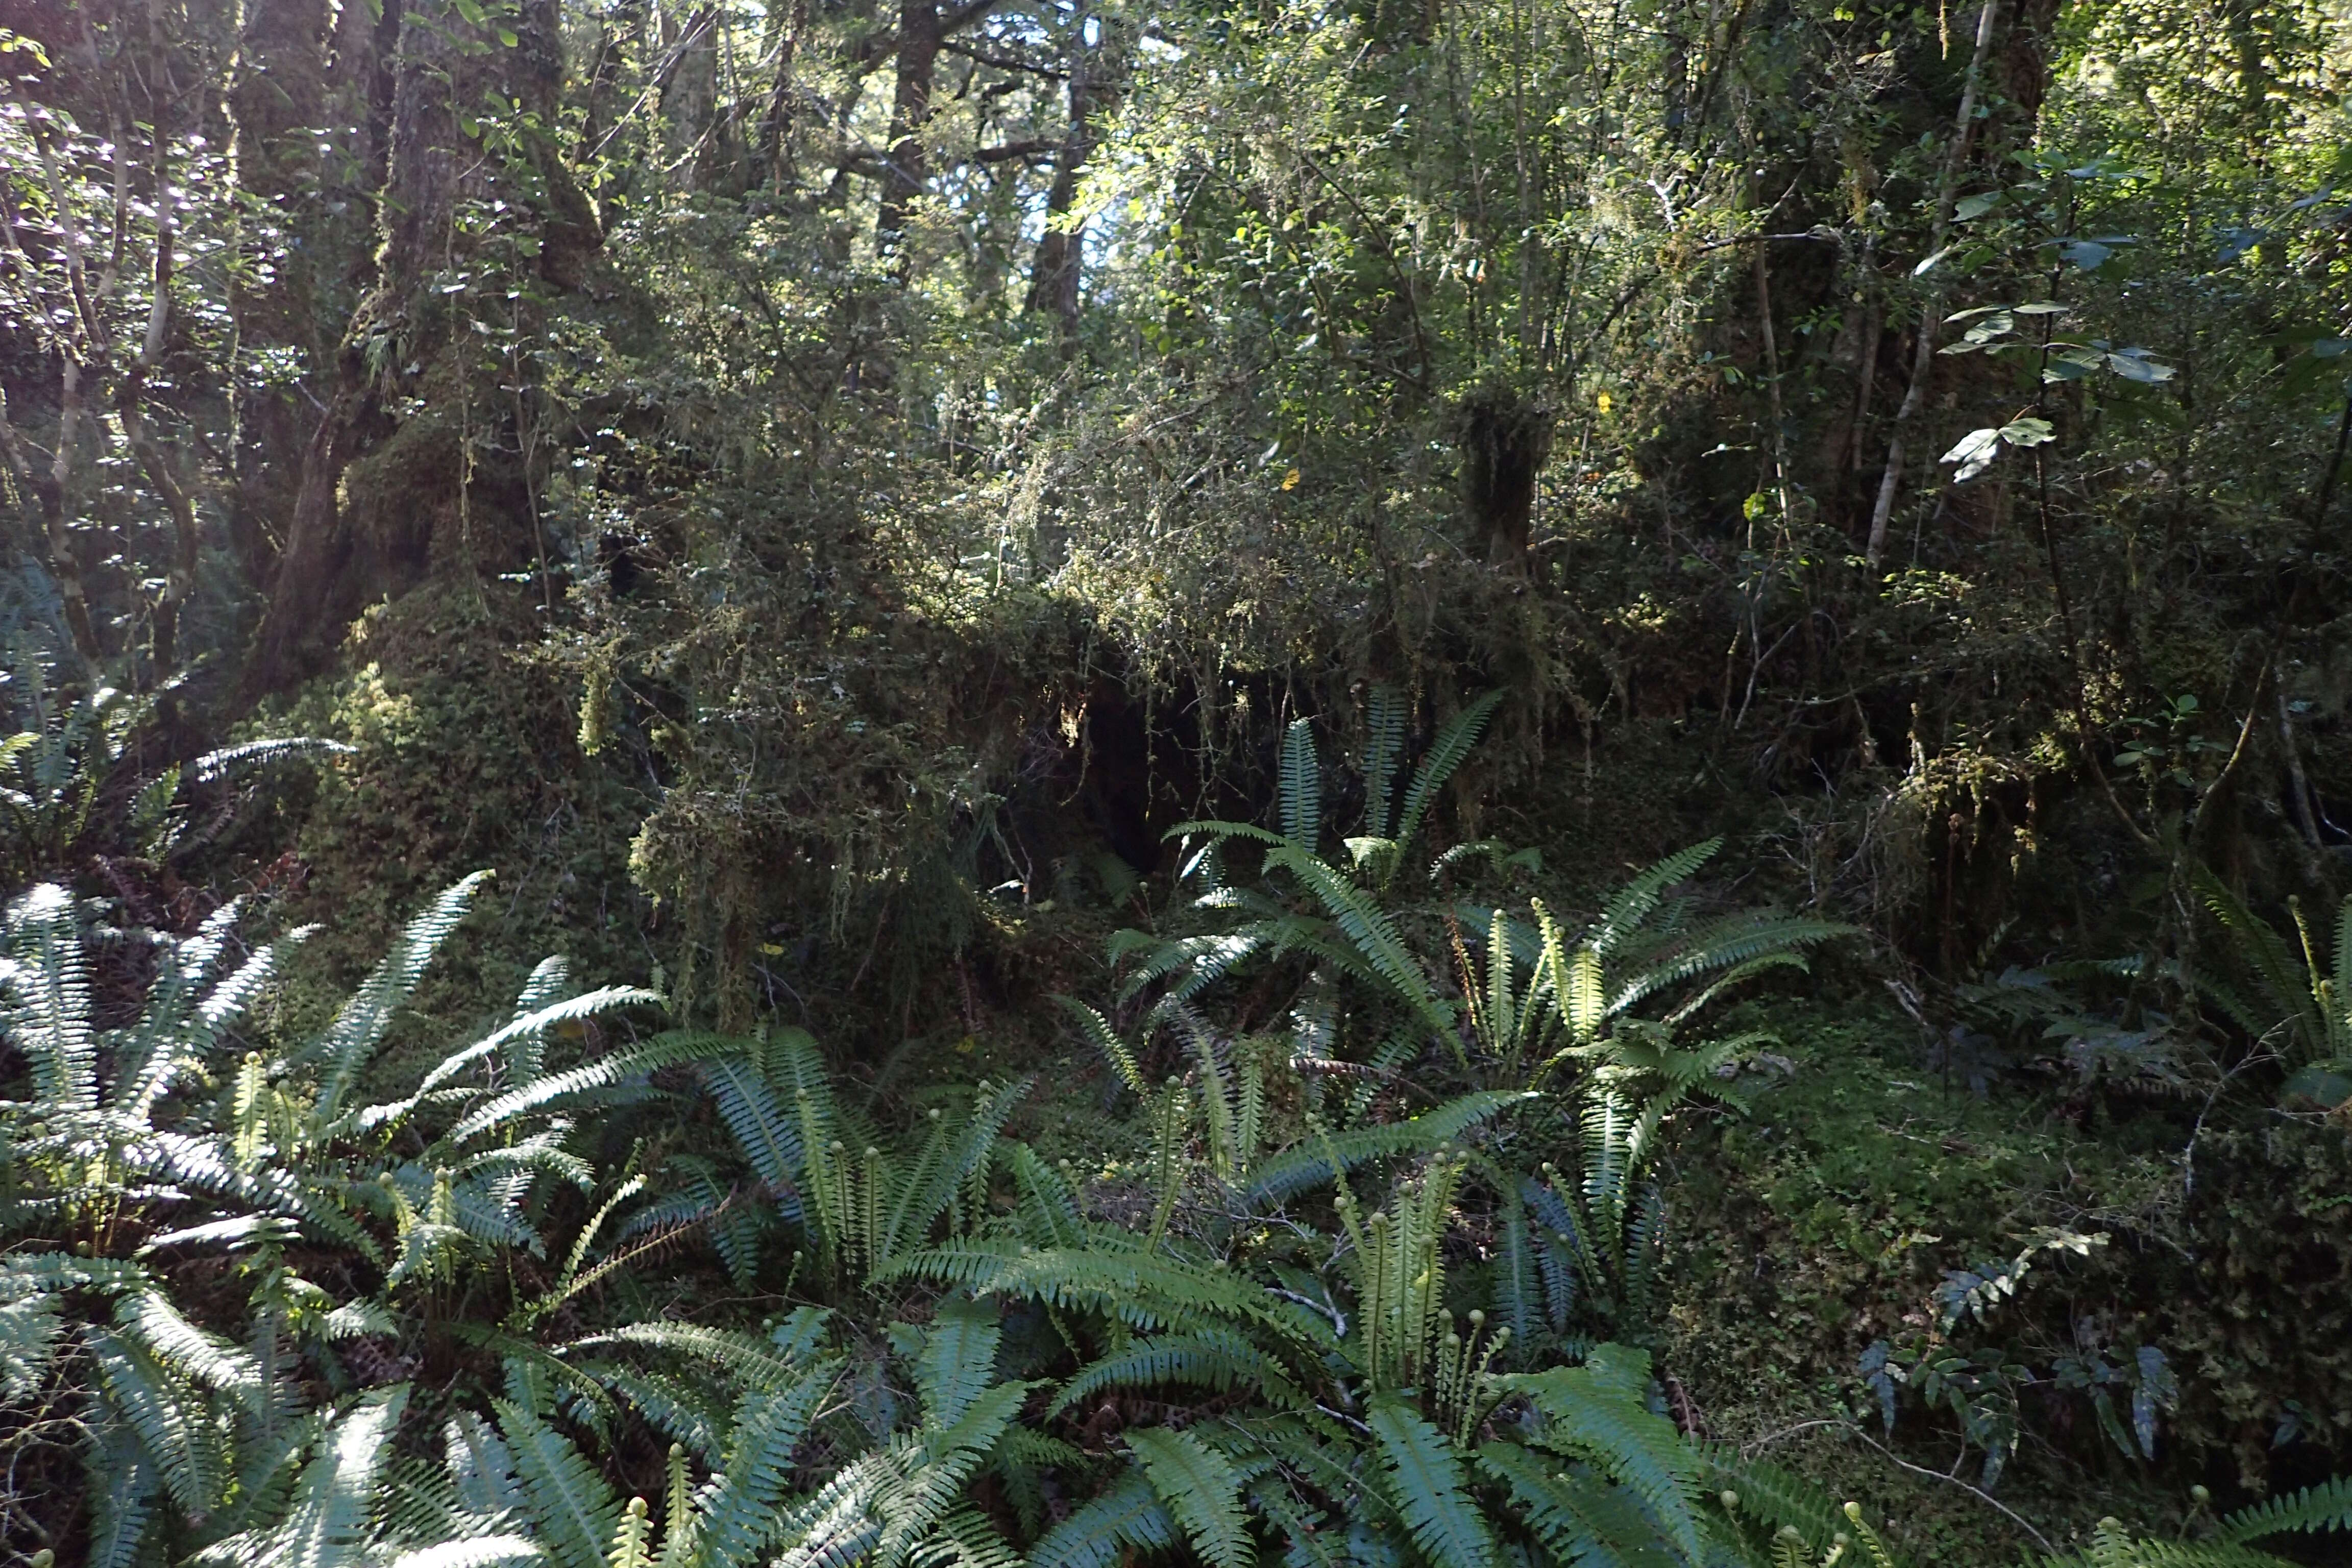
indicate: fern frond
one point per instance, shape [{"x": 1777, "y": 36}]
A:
[
  {"x": 1373, "y": 934},
  {"x": 667, "y": 1050},
  {"x": 1384, "y": 727},
  {"x": 122, "y": 1503},
  {"x": 345, "y": 1048},
  {"x": 1777, "y": 1499},
  {"x": 1149, "y": 1292},
  {"x": 958, "y": 1361},
  {"x": 1595, "y": 1412},
  {"x": 1579, "y": 1518},
  {"x": 575, "y": 1510},
  {"x": 333, "y": 1503},
  {"x": 735, "y": 1517},
  {"x": 46, "y": 981},
  {"x": 1446, "y": 752},
  {"x": 1632, "y": 905},
  {"x": 1127, "y": 1517},
  {"x": 752, "y": 1362},
  {"x": 2325, "y": 1507},
  {"x": 1300, "y": 785},
  {"x": 149, "y": 1320},
  {"x": 1425, "y": 1479},
  {"x": 1200, "y": 1488},
  {"x": 679, "y": 1413},
  {"x": 768, "y": 1135},
  {"x": 1115, "y": 1051},
  {"x": 1311, "y": 1164},
  {"x": 1215, "y": 1359},
  {"x": 477, "y": 1552}
]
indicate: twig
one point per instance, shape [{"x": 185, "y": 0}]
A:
[{"x": 1978, "y": 1492}]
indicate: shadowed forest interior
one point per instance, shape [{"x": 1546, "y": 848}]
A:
[{"x": 1359, "y": 783}]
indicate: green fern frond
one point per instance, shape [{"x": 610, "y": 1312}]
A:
[
  {"x": 332, "y": 1508},
  {"x": 965, "y": 1539},
  {"x": 1775, "y": 1497},
  {"x": 1200, "y": 1488},
  {"x": 1384, "y": 727},
  {"x": 753, "y": 1363},
  {"x": 1446, "y": 753},
  {"x": 1425, "y": 1479},
  {"x": 2325, "y": 1507},
  {"x": 1579, "y": 1516},
  {"x": 1373, "y": 934},
  {"x": 45, "y": 981},
  {"x": 1724, "y": 945},
  {"x": 1300, "y": 785},
  {"x": 1311, "y": 1165},
  {"x": 149, "y": 1320},
  {"x": 1098, "y": 1032},
  {"x": 667, "y": 1050},
  {"x": 184, "y": 1436},
  {"x": 670, "y": 1407},
  {"x": 1145, "y": 1291},
  {"x": 575, "y": 1510},
  {"x": 1633, "y": 903},
  {"x": 2111, "y": 1547},
  {"x": 1596, "y": 1412},
  {"x": 958, "y": 1361},
  {"x": 29, "y": 1329},
  {"x": 345, "y": 1048},
  {"x": 476, "y": 1552},
  {"x": 1127, "y": 1517},
  {"x": 1214, "y": 1359},
  {"x": 766, "y": 1132},
  {"x": 122, "y": 1503},
  {"x": 736, "y": 1516}
]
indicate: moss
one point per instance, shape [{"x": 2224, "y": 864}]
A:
[{"x": 464, "y": 755}]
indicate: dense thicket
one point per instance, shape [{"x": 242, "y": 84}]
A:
[{"x": 1111, "y": 540}]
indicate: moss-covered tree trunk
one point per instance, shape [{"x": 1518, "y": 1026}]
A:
[{"x": 379, "y": 491}]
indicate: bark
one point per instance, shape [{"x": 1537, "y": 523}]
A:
[
  {"x": 774, "y": 160},
  {"x": 1923, "y": 351},
  {"x": 331, "y": 564},
  {"x": 179, "y": 576},
  {"x": 923, "y": 29},
  {"x": 277, "y": 98},
  {"x": 689, "y": 98},
  {"x": 909, "y": 168},
  {"x": 1095, "y": 83}
]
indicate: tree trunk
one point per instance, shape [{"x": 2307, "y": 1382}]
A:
[
  {"x": 1095, "y": 72},
  {"x": 908, "y": 170},
  {"x": 277, "y": 101},
  {"x": 689, "y": 98},
  {"x": 332, "y": 565},
  {"x": 1923, "y": 351}
]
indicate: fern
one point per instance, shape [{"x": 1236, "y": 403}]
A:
[
  {"x": 1580, "y": 1518},
  {"x": 1595, "y": 1412},
  {"x": 736, "y": 1513},
  {"x": 1105, "y": 1040},
  {"x": 1425, "y": 1477},
  {"x": 2325, "y": 1507},
  {"x": 1200, "y": 1488},
  {"x": 1384, "y": 727},
  {"x": 1127, "y": 1517},
  {"x": 1300, "y": 785},
  {"x": 332, "y": 1505},
  {"x": 359, "y": 1026},
  {"x": 46, "y": 1012},
  {"x": 575, "y": 1511},
  {"x": 1446, "y": 752},
  {"x": 1331, "y": 1156}
]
